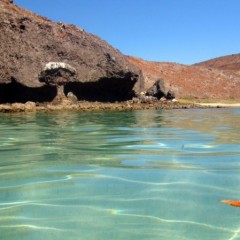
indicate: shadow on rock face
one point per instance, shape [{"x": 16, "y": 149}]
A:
[
  {"x": 15, "y": 92},
  {"x": 104, "y": 90}
]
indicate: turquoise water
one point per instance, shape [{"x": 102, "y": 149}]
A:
[{"x": 120, "y": 175}]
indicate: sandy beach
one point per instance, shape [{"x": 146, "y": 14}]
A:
[{"x": 228, "y": 105}]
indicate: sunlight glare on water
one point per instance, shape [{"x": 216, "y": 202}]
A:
[{"x": 120, "y": 175}]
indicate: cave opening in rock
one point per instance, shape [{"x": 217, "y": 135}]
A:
[
  {"x": 104, "y": 90},
  {"x": 15, "y": 92}
]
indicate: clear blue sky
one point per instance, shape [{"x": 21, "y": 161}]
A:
[{"x": 182, "y": 31}]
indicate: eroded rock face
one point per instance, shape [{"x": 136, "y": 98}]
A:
[
  {"x": 58, "y": 73},
  {"x": 28, "y": 42}
]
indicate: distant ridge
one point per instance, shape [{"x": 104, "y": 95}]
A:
[{"x": 229, "y": 63}]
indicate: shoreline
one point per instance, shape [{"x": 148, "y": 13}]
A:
[
  {"x": 84, "y": 106},
  {"x": 221, "y": 105}
]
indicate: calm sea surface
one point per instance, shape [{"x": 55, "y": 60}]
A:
[{"x": 120, "y": 175}]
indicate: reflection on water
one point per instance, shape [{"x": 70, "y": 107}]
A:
[{"x": 120, "y": 175}]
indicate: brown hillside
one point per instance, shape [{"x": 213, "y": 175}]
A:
[
  {"x": 231, "y": 62},
  {"x": 191, "y": 81}
]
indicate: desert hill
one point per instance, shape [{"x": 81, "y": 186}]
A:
[
  {"x": 196, "y": 81},
  {"x": 230, "y": 64}
]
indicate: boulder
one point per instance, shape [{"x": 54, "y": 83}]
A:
[
  {"x": 158, "y": 89},
  {"x": 161, "y": 89},
  {"x": 171, "y": 95}
]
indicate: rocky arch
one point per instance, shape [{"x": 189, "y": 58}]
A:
[
  {"x": 58, "y": 74},
  {"x": 64, "y": 78}
]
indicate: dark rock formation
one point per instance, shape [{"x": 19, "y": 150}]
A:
[
  {"x": 159, "y": 90},
  {"x": 28, "y": 42},
  {"x": 58, "y": 74},
  {"x": 170, "y": 94}
]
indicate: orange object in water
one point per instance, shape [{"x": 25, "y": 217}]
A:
[{"x": 233, "y": 203}]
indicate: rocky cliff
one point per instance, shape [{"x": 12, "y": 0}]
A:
[{"x": 29, "y": 43}]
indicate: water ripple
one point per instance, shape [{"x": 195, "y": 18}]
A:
[
  {"x": 179, "y": 222},
  {"x": 120, "y": 175},
  {"x": 32, "y": 227}
]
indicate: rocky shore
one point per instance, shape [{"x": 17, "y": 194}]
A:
[{"x": 93, "y": 106}]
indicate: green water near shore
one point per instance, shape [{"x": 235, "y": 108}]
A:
[{"x": 120, "y": 175}]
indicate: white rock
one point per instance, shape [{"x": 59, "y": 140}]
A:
[{"x": 58, "y": 65}]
